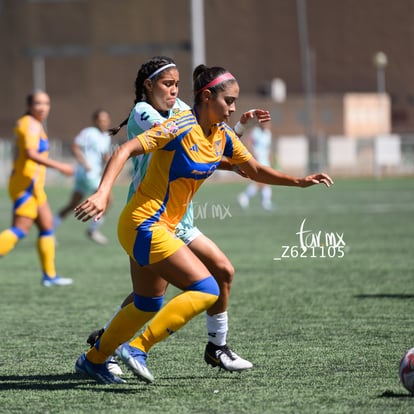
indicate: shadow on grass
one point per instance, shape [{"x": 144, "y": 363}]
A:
[
  {"x": 385, "y": 296},
  {"x": 73, "y": 381},
  {"x": 57, "y": 382},
  {"x": 392, "y": 394},
  {"x": 190, "y": 379}
]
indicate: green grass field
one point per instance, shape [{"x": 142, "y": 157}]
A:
[{"x": 325, "y": 333}]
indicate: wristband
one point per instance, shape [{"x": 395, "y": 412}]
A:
[{"x": 239, "y": 128}]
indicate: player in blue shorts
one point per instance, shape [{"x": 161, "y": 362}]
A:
[
  {"x": 156, "y": 100},
  {"x": 186, "y": 149},
  {"x": 26, "y": 187}
]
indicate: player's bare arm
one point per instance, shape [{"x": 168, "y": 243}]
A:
[{"x": 96, "y": 204}]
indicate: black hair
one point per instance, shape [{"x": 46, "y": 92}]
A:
[
  {"x": 145, "y": 71},
  {"x": 31, "y": 95},
  {"x": 202, "y": 75}
]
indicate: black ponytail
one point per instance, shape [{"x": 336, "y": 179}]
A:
[
  {"x": 145, "y": 71},
  {"x": 114, "y": 131}
]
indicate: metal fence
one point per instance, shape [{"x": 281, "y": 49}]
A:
[
  {"x": 336, "y": 155},
  {"x": 59, "y": 150}
]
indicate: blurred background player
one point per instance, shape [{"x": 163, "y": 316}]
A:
[
  {"x": 91, "y": 149},
  {"x": 259, "y": 142},
  {"x": 26, "y": 187}
]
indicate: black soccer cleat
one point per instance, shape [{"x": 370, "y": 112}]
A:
[
  {"x": 225, "y": 358},
  {"x": 94, "y": 336}
]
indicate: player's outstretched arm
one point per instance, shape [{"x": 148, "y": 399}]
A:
[
  {"x": 96, "y": 204},
  {"x": 62, "y": 167},
  {"x": 267, "y": 175}
]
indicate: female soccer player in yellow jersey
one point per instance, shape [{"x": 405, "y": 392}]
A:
[
  {"x": 156, "y": 100},
  {"x": 26, "y": 187},
  {"x": 186, "y": 150}
]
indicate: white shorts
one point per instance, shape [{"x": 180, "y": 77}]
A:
[{"x": 187, "y": 234}]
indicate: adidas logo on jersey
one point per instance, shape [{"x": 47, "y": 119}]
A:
[{"x": 194, "y": 148}]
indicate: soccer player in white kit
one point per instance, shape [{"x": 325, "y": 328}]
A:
[{"x": 91, "y": 147}]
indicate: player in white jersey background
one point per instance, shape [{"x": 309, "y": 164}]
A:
[
  {"x": 91, "y": 148},
  {"x": 259, "y": 142}
]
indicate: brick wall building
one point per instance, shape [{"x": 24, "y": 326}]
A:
[{"x": 91, "y": 50}]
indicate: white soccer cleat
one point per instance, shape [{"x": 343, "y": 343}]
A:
[
  {"x": 268, "y": 206},
  {"x": 113, "y": 367},
  {"x": 56, "y": 281},
  {"x": 225, "y": 358},
  {"x": 243, "y": 200},
  {"x": 135, "y": 360},
  {"x": 97, "y": 237}
]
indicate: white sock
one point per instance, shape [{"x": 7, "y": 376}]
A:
[
  {"x": 57, "y": 221},
  {"x": 266, "y": 194},
  {"x": 217, "y": 328},
  {"x": 251, "y": 190},
  {"x": 94, "y": 225}
]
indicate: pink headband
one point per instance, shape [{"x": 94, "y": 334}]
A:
[{"x": 220, "y": 79}]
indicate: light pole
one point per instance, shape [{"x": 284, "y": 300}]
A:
[
  {"x": 380, "y": 62},
  {"x": 307, "y": 59},
  {"x": 197, "y": 33}
]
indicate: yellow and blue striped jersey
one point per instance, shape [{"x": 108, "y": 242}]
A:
[
  {"x": 183, "y": 157},
  {"x": 143, "y": 117},
  {"x": 29, "y": 134}
]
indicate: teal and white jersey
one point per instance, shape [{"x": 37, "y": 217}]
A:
[
  {"x": 261, "y": 139},
  {"x": 94, "y": 145},
  {"x": 142, "y": 118}
]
